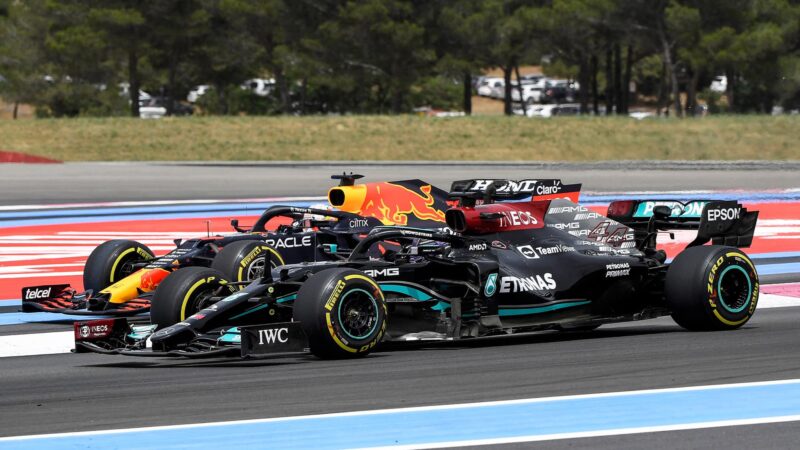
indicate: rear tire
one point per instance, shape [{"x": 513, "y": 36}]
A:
[
  {"x": 184, "y": 292},
  {"x": 112, "y": 261},
  {"x": 243, "y": 261},
  {"x": 712, "y": 288},
  {"x": 342, "y": 312}
]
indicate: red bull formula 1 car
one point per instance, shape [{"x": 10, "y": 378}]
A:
[
  {"x": 502, "y": 268},
  {"x": 123, "y": 277}
]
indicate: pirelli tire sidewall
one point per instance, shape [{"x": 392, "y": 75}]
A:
[
  {"x": 712, "y": 288},
  {"x": 325, "y": 307},
  {"x": 111, "y": 261},
  {"x": 242, "y": 261},
  {"x": 184, "y": 292}
]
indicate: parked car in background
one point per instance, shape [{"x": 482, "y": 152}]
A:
[
  {"x": 531, "y": 78},
  {"x": 488, "y": 86},
  {"x": 559, "y": 91},
  {"x": 156, "y": 108},
  {"x": 531, "y": 93},
  {"x": 551, "y": 110},
  {"x": 259, "y": 86},
  {"x": 197, "y": 92},
  {"x": 719, "y": 84}
]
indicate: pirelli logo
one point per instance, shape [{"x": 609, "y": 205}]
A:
[{"x": 337, "y": 291}]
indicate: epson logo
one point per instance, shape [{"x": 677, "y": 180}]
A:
[
  {"x": 358, "y": 223},
  {"x": 273, "y": 335},
  {"x": 723, "y": 214},
  {"x": 532, "y": 283},
  {"x": 478, "y": 247},
  {"x": 387, "y": 272},
  {"x": 35, "y": 294},
  {"x": 290, "y": 242}
]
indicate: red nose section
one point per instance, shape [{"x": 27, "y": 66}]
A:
[{"x": 497, "y": 217}]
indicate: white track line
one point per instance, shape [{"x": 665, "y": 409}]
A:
[
  {"x": 36, "y": 344},
  {"x": 446, "y": 407}
]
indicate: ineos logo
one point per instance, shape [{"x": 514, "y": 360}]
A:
[{"x": 273, "y": 335}]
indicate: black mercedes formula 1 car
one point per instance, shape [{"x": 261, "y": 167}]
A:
[
  {"x": 502, "y": 268},
  {"x": 124, "y": 278}
]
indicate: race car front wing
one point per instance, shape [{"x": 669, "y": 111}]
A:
[{"x": 118, "y": 337}]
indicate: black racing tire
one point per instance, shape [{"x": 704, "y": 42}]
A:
[
  {"x": 342, "y": 312},
  {"x": 712, "y": 288},
  {"x": 184, "y": 292},
  {"x": 112, "y": 261},
  {"x": 242, "y": 261}
]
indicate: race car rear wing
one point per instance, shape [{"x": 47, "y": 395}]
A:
[
  {"x": 489, "y": 190},
  {"x": 721, "y": 222}
]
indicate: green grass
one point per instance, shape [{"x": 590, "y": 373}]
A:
[{"x": 405, "y": 138}]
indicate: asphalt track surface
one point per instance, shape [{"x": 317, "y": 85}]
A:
[
  {"x": 60, "y": 393},
  {"x": 65, "y": 393},
  {"x": 93, "y": 182}
]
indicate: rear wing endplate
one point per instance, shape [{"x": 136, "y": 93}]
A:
[{"x": 724, "y": 222}]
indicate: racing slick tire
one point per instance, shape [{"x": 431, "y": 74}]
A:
[
  {"x": 112, "y": 261},
  {"x": 342, "y": 312},
  {"x": 712, "y": 288},
  {"x": 184, "y": 292},
  {"x": 244, "y": 260}
]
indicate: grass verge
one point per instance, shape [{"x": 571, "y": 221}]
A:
[{"x": 405, "y": 138}]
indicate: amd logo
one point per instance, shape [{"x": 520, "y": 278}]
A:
[
  {"x": 387, "y": 272},
  {"x": 273, "y": 335},
  {"x": 478, "y": 247},
  {"x": 35, "y": 294}
]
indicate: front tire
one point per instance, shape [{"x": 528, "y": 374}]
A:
[
  {"x": 712, "y": 288},
  {"x": 243, "y": 261},
  {"x": 342, "y": 312},
  {"x": 184, "y": 292},
  {"x": 112, "y": 261}
]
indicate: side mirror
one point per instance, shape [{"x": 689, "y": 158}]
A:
[{"x": 662, "y": 212}]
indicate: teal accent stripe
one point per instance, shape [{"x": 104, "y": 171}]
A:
[
  {"x": 254, "y": 309},
  {"x": 541, "y": 309},
  {"x": 406, "y": 290},
  {"x": 286, "y": 298}
]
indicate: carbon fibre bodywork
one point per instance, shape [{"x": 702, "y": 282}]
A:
[{"x": 501, "y": 268}]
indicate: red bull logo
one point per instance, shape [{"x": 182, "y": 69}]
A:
[
  {"x": 390, "y": 203},
  {"x": 151, "y": 279}
]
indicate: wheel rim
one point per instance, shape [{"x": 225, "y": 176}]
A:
[
  {"x": 735, "y": 289},
  {"x": 200, "y": 301},
  {"x": 126, "y": 269},
  {"x": 358, "y": 314},
  {"x": 256, "y": 269}
]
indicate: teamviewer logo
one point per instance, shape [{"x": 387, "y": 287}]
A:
[{"x": 528, "y": 251}]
